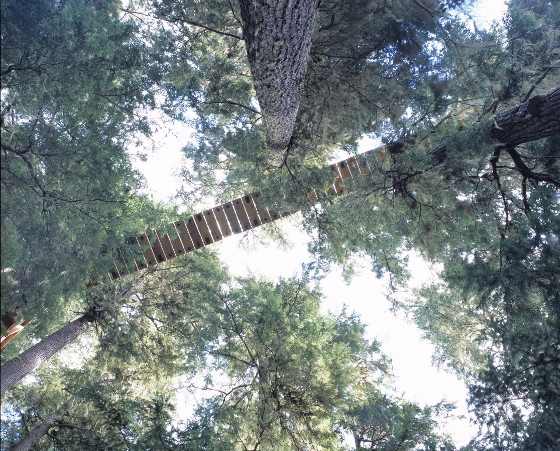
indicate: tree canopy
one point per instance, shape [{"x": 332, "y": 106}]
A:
[{"x": 468, "y": 178}]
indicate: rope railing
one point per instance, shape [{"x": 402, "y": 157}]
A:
[{"x": 212, "y": 225}]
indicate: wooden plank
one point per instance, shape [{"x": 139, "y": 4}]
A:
[
  {"x": 336, "y": 189},
  {"x": 12, "y": 333},
  {"x": 232, "y": 218},
  {"x": 241, "y": 214},
  {"x": 262, "y": 211},
  {"x": 203, "y": 228},
  {"x": 148, "y": 253},
  {"x": 165, "y": 242},
  {"x": 150, "y": 257},
  {"x": 251, "y": 211},
  {"x": 363, "y": 164},
  {"x": 158, "y": 248},
  {"x": 221, "y": 217},
  {"x": 175, "y": 244},
  {"x": 143, "y": 240},
  {"x": 212, "y": 224},
  {"x": 178, "y": 246},
  {"x": 184, "y": 236},
  {"x": 274, "y": 215},
  {"x": 343, "y": 170},
  {"x": 196, "y": 237},
  {"x": 353, "y": 166},
  {"x": 313, "y": 196},
  {"x": 340, "y": 188}
]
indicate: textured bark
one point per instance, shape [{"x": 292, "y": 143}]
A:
[
  {"x": 16, "y": 369},
  {"x": 537, "y": 118},
  {"x": 28, "y": 442},
  {"x": 529, "y": 121},
  {"x": 277, "y": 35}
]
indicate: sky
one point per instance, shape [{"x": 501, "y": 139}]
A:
[
  {"x": 415, "y": 377},
  {"x": 252, "y": 253}
]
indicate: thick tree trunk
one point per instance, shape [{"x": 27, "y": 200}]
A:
[
  {"x": 28, "y": 442},
  {"x": 537, "y": 118},
  {"x": 277, "y": 35},
  {"x": 19, "y": 367},
  {"x": 529, "y": 121}
]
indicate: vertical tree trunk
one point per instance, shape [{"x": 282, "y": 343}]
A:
[
  {"x": 277, "y": 35},
  {"x": 19, "y": 367},
  {"x": 28, "y": 442}
]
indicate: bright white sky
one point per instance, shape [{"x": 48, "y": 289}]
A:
[{"x": 415, "y": 378}]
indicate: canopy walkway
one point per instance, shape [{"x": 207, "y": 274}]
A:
[{"x": 217, "y": 223}]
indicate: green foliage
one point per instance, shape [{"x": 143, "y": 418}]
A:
[
  {"x": 289, "y": 377},
  {"x": 379, "y": 422},
  {"x": 285, "y": 375},
  {"x": 288, "y": 365},
  {"x": 77, "y": 78},
  {"x": 74, "y": 93},
  {"x": 166, "y": 325},
  {"x": 367, "y": 59},
  {"x": 491, "y": 225},
  {"x": 105, "y": 413}
]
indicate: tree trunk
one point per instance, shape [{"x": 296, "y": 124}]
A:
[
  {"x": 529, "y": 121},
  {"x": 537, "y": 118},
  {"x": 277, "y": 35},
  {"x": 19, "y": 367},
  {"x": 28, "y": 442}
]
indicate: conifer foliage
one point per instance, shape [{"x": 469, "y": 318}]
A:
[{"x": 468, "y": 178}]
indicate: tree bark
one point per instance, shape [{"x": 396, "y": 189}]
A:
[
  {"x": 529, "y": 121},
  {"x": 277, "y": 35},
  {"x": 16, "y": 369},
  {"x": 537, "y": 118},
  {"x": 28, "y": 442}
]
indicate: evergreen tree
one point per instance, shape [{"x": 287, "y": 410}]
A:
[
  {"x": 76, "y": 87},
  {"x": 115, "y": 411},
  {"x": 149, "y": 321},
  {"x": 277, "y": 35},
  {"x": 469, "y": 178},
  {"x": 296, "y": 378},
  {"x": 378, "y": 422},
  {"x": 358, "y": 76},
  {"x": 285, "y": 376}
]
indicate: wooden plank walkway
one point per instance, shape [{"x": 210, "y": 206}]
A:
[{"x": 214, "y": 224}]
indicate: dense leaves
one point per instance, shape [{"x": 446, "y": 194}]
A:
[
  {"x": 486, "y": 213},
  {"x": 73, "y": 89},
  {"x": 288, "y": 377},
  {"x": 280, "y": 374},
  {"x": 78, "y": 79}
]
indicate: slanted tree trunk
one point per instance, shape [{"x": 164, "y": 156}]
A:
[
  {"x": 19, "y": 367},
  {"x": 28, "y": 442},
  {"x": 53, "y": 420},
  {"x": 277, "y": 35},
  {"x": 529, "y": 121},
  {"x": 537, "y": 118}
]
